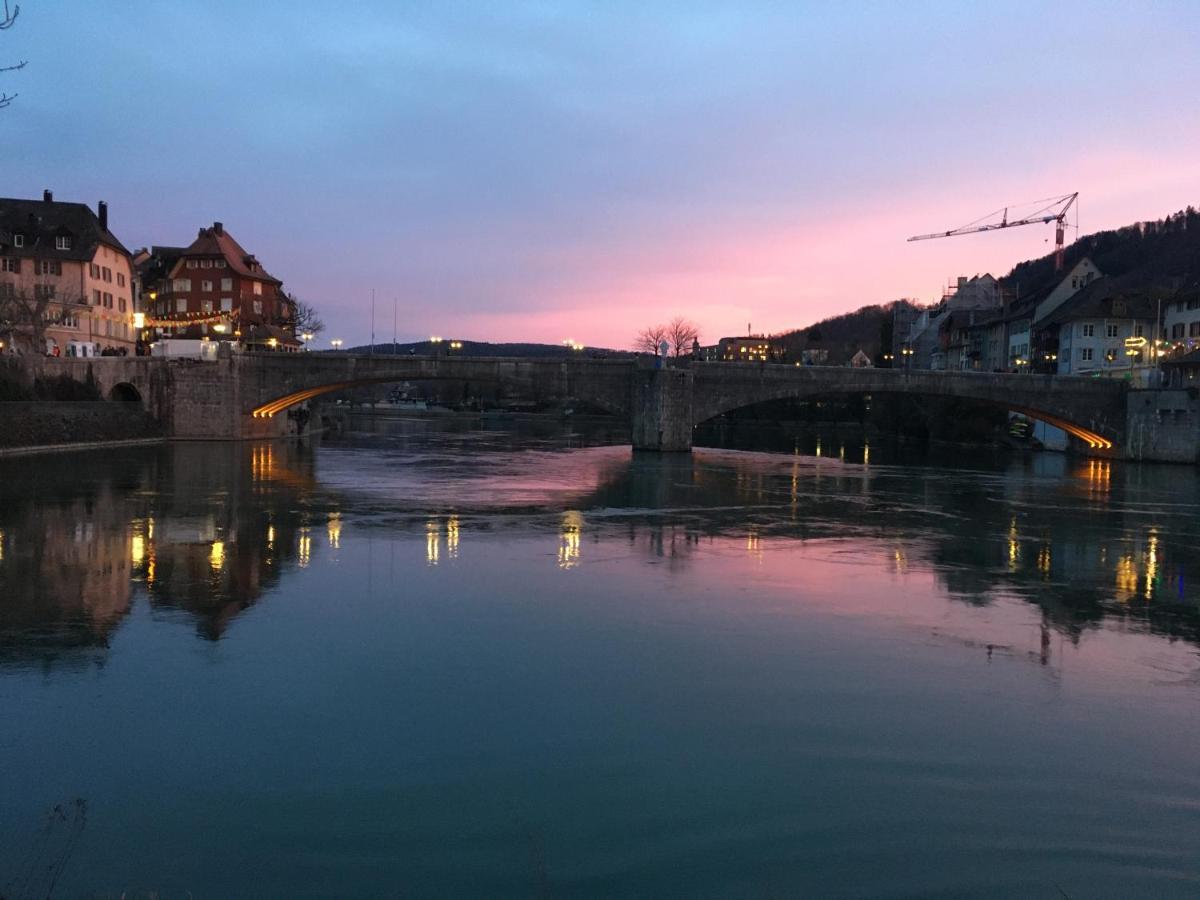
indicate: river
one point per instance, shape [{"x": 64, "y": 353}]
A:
[{"x": 444, "y": 660}]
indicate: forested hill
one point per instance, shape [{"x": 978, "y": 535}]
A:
[
  {"x": 868, "y": 328},
  {"x": 1149, "y": 252}
]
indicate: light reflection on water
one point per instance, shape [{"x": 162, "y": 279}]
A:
[{"x": 491, "y": 662}]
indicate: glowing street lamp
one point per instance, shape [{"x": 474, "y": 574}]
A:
[
  {"x": 307, "y": 337},
  {"x": 336, "y": 343}
]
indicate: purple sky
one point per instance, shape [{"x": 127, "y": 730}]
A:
[{"x": 537, "y": 171}]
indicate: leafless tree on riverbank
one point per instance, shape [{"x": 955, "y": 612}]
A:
[
  {"x": 681, "y": 334},
  {"x": 648, "y": 339}
]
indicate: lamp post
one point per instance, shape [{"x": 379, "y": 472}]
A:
[
  {"x": 307, "y": 337},
  {"x": 336, "y": 343}
]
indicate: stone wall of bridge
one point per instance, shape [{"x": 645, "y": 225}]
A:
[
  {"x": 1097, "y": 405},
  {"x": 216, "y": 400}
]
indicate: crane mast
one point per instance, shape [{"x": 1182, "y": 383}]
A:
[{"x": 1053, "y": 209}]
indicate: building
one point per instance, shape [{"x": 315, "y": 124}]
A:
[
  {"x": 928, "y": 342},
  {"x": 1182, "y": 371},
  {"x": 66, "y": 282},
  {"x": 1181, "y": 321},
  {"x": 1103, "y": 329},
  {"x": 752, "y": 348},
  {"x": 214, "y": 290}
]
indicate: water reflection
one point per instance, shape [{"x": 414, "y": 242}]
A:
[{"x": 204, "y": 532}]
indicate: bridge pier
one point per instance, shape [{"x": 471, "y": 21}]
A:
[{"x": 662, "y": 410}]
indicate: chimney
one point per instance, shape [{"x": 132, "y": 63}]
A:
[
  {"x": 102, "y": 214},
  {"x": 48, "y": 196},
  {"x": 218, "y": 228}
]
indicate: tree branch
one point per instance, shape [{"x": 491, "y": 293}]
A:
[{"x": 9, "y": 17}]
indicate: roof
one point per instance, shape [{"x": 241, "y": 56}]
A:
[
  {"x": 216, "y": 241},
  {"x": 40, "y": 221},
  {"x": 1111, "y": 298},
  {"x": 158, "y": 264},
  {"x": 1188, "y": 359}
]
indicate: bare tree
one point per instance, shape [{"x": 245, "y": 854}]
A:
[
  {"x": 682, "y": 333},
  {"x": 24, "y": 317},
  {"x": 308, "y": 320},
  {"x": 649, "y": 339},
  {"x": 9, "y": 19}
]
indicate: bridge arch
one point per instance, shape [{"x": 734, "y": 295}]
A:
[
  {"x": 124, "y": 392},
  {"x": 600, "y": 395},
  {"x": 1095, "y": 434}
]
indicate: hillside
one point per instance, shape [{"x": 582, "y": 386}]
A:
[
  {"x": 868, "y": 328},
  {"x": 1143, "y": 254},
  {"x": 1164, "y": 254}
]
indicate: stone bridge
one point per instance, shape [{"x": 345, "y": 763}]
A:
[{"x": 258, "y": 395}]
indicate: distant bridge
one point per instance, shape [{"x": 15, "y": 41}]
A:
[{"x": 252, "y": 395}]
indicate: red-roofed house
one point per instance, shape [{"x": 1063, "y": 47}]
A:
[{"x": 215, "y": 289}]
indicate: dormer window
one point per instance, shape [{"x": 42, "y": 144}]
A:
[
  {"x": 62, "y": 242},
  {"x": 18, "y": 240}
]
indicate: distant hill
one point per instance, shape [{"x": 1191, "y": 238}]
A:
[
  {"x": 868, "y": 328},
  {"x": 485, "y": 348}
]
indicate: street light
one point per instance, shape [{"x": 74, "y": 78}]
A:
[
  {"x": 336, "y": 343},
  {"x": 306, "y": 336}
]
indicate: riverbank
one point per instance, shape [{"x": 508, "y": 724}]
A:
[{"x": 48, "y": 426}]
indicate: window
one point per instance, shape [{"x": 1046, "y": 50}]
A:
[
  {"x": 93, "y": 270},
  {"x": 1088, "y": 331},
  {"x": 207, "y": 305},
  {"x": 1177, "y": 330},
  {"x": 8, "y": 264},
  {"x": 227, "y": 284},
  {"x": 18, "y": 240},
  {"x": 1111, "y": 354},
  {"x": 206, "y": 285},
  {"x": 258, "y": 307},
  {"x": 107, "y": 273},
  {"x": 1110, "y": 331},
  {"x": 108, "y": 301},
  {"x": 121, "y": 304},
  {"x": 181, "y": 284},
  {"x": 258, "y": 287},
  {"x": 191, "y": 263},
  {"x": 1194, "y": 303},
  {"x": 120, "y": 280},
  {"x": 206, "y": 263},
  {"x": 1194, "y": 329},
  {"x": 43, "y": 291},
  {"x": 48, "y": 267},
  {"x": 226, "y": 304},
  {"x": 8, "y": 290},
  {"x": 1137, "y": 331},
  {"x": 220, "y": 263},
  {"x": 62, "y": 242},
  {"x": 181, "y": 304},
  {"x": 95, "y": 297}
]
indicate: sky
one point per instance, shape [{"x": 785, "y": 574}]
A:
[{"x": 550, "y": 170}]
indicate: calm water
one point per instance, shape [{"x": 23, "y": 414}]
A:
[{"x": 436, "y": 661}]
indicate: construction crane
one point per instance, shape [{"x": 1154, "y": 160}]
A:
[{"x": 1052, "y": 209}]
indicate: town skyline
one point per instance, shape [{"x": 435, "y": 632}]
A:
[{"x": 730, "y": 169}]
